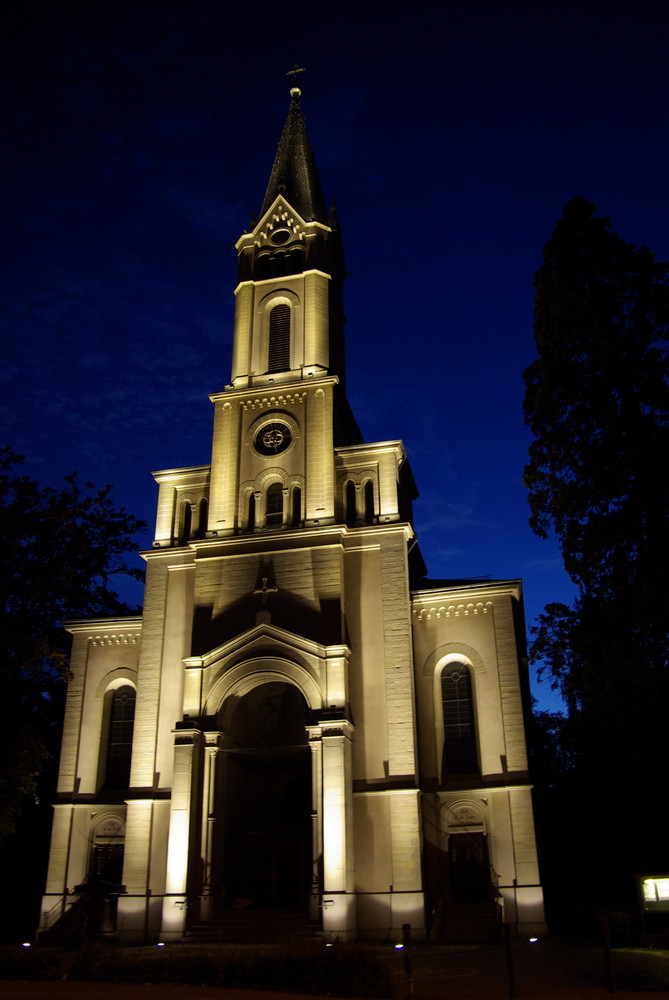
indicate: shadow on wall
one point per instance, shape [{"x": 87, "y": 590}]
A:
[{"x": 321, "y": 624}]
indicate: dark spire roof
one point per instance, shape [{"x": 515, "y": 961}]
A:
[{"x": 294, "y": 172}]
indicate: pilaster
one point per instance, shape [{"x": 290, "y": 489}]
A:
[
  {"x": 398, "y": 656},
  {"x": 337, "y": 826},
  {"x": 133, "y": 906},
  {"x": 212, "y": 764},
  {"x": 184, "y": 835},
  {"x": 224, "y": 464},
  {"x": 320, "y": 473},
  {"x": 241, "y": 348},
  {"x": 317, "y": 347}
]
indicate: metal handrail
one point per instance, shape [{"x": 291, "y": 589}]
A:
[{"x": 59, "y": 908}]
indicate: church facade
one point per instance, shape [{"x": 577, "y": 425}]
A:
[{"x": 299, "y": 720}]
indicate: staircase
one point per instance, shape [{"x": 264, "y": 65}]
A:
[
  {"x": 252, "y": 926},
  {"x": 63, "y": 926},
  {"x": 471, "y": 923}
]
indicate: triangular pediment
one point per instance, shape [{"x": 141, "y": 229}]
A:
[
  {"x": 280, "y": 226},
  {"x": 264, "y": 639}
]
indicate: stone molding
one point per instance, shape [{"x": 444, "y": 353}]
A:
[
  {"x": 115, "y": 639},
  {"x": 452, "y": 611},
  {"x": 270, "y": 402}
]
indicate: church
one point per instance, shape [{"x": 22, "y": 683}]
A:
[{"x": 300, "y": 722}]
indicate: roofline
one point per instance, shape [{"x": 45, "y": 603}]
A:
[
  {"x": 467, "y": 587},
  {"x": 85, "y": 624},
  {"x": 186, "y": 468}
]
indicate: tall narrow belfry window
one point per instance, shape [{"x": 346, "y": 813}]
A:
[
  {"x": 297, "y": 506},
  {"x": 278, "y": 359},
  {"x": 274, "y": 506},
  {"x": 349, "y": 500},
  {"x": 119, "y": 743},
  {"x": 459, "y": 724},
  {"x": 369, "y": 502},
  {"x": 186, "y": 524},
  {"x": 202, "y": 518}
]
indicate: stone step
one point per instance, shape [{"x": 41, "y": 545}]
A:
[
  {"x": 471, "y": 923},
  {"x": 252, "y": 926}
]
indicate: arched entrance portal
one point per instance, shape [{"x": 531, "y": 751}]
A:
[{"x": 267, "y": 800}]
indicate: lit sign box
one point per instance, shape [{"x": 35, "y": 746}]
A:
[{"x": 654, "y": 892}]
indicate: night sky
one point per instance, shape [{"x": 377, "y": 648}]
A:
[{"x": 139, "y": 137}]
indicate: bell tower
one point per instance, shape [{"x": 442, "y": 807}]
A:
[
  {"x": 277, "y": 423},
  {"x": 289, "y": 320}
]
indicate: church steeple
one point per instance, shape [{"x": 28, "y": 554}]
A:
[
  {"x": 289, "y": 322},
  {"x": 294, "y": 173}
]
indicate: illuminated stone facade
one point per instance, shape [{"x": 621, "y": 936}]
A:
[{"x": 299, "y": 721}]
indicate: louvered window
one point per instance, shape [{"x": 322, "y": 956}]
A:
[{"x": 279, "y": 339}]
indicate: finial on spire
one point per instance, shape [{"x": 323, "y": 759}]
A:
[{"x": 295, "y": 90}]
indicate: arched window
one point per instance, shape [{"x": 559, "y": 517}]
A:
[
  {"x": 202, "y": 518},
  {"x": 459, "y": 724},
  {"x": 274, "y": 506},
  {"x": 296, "y": 260},
  {"x": 251, "y": 520},
  {"x": 297, "y": 506},
  {"x": 349, "y": 499},
  {"x": 278, "y": 356},
  {"x": 186, "y": 523},
  {"x": 119, "y": 741},
  {"x": 369, "y": 502},
  {"x": 262, "y": 267}
]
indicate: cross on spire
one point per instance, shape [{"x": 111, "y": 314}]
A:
[{"x": 293, "y": 74}]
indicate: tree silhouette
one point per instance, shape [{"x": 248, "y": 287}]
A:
[
  {"x": 62, "y": 549},
  {"x": 597, "y": 402}
]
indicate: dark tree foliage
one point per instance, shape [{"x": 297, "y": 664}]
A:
[
  {"x": 62, "y": 548},
  {"x": 597, "y": 402}
]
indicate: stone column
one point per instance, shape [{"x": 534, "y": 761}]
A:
[
  {"x": 315, "y": 892},
  {"x": 339, "y": 915},
  {"x": 212, "y": 758},
  {"x": 184, "y": 834},
  {"x": 133, "y": 913}
]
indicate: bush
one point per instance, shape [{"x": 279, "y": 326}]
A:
[{"x": 339, "y": 969}]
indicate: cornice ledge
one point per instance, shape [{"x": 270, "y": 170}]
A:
[
  {"x": 451, "y": 611},
  {"x": 123, "y": 624}
]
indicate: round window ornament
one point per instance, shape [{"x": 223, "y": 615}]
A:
[
  {"x": 280, "y": 236},
  {"x": 272, "y": 438}
]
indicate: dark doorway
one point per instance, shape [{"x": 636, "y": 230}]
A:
[
  {"x": 100, "y": 901},
  {"x": 107, "y": 864},
  {"x": 267, "y": 801},
  {"x": 469, "y": 868}
]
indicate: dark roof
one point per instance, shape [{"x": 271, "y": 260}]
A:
[{"x": 294, "y": 172}]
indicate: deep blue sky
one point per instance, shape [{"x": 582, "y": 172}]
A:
[{"x": 140, "y": 136}]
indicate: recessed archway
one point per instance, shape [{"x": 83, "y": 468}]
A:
[{"x": 266, "y": 799}]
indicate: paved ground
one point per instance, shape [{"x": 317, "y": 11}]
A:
[{"x": 547, "y": 970}]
